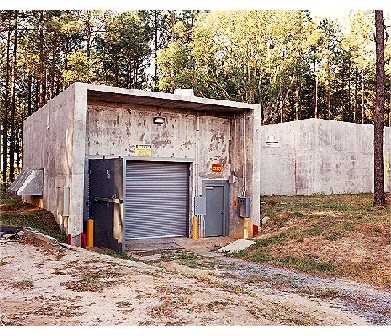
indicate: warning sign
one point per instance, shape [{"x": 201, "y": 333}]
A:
[
  {"x": 217, "y": 168},
  {"x": 143, "y": 150}
]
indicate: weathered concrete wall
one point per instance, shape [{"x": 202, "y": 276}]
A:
[
  {"x": 319, "y": 156},
  {"x": 62, "y": 135},
  {"x": 47, "y": 144},
  {"x": 54, "y": 139},
  {"x": 114, "y": 129}
]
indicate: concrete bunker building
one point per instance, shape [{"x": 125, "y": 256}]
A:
[
  {"x": 142, "y": 164},
  {"x": 316, "y": 156}
]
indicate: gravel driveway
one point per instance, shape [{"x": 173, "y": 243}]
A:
[{"x": 43, "y": 283}]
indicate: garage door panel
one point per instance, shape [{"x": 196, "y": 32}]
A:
[{"x": 156, "y": 199}]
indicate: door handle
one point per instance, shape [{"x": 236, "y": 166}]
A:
[
  {"x": 209, "y": 188},
  {"x": 108, "y": 200}
]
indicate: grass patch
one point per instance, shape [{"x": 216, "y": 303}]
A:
[
  {"x": 314, "y": 231},
  {"x": 305, "y": 264},
  {"x": 93, "y": 281},
  {"x": 311, "y": 265},
  {"x": 116, "y": 254},
  {"x": 41, "y": 220},
  {"x": 179, "y": 255},
  {"x": 271, "y": 240},
  {"x": 3, "y": 262},
  {"x": 14, "y": 212},
  {"x": 189, "y": 259},
  {"x": 335, "y": 234},
  {"x": 24, "y": 284}
]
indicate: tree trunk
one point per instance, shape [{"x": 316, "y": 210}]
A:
[
  {"x": 285, "y": 97},
  {"x": 88, "y": 34},
  {"x": 316, "y": 96},
  {"x": 6, "y": 105},
  {"x": 42, "y": 74},
  {"x": 17, "y": 147},
  {"x": 378, "y": 120},
  {"x": 129, "y": 77},
  {"x": 297, "y": 102},
  {"x": 155, "y": 79},
  {"x": 389, "y": 109},
  {"x": 29, "y": 94},
  {"x": 355, "y": 97},
  {"x": 53, "y": 71},
  {"x": 13, "y": 110},
  {"x": 349, "y": 91},
  {"x": 37, "y": 95}
]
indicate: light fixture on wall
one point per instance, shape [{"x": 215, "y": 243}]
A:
[{"x": 159, "y": 120}]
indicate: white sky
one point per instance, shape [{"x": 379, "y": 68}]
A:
[{"x": 331, "y": 6}]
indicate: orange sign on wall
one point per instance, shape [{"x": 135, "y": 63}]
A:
[{"x": 217, "y": 168}]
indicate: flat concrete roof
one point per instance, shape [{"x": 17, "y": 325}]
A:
[{"x": 113, "y": 94}]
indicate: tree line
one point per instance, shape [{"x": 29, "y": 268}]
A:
[{"x": 295, "y": 66}]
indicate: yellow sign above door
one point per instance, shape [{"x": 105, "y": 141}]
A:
[{"x": 142, "y": 150}]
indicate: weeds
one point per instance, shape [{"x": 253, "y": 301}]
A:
[
  {"x": 40, "y": 220},
  {"x": 270, "y": 241},
  {"x": 307, "y": 264},
  {"x": 116, "y": 254},
  {"x": 17, "y": 213},
  {"x": 24, "y": 284}
]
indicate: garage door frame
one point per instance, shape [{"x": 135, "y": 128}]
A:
[{"x": 190, "y": 162}]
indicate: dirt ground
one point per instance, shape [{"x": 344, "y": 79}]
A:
[{"x": 45, "y": 283}]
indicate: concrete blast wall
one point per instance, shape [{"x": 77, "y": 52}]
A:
[
  {"x": 201, "y": 138},
  {"x": 87, "y": 121},
  {"x": 320, "y": 156},
  {"x": 52, "y": 139}
]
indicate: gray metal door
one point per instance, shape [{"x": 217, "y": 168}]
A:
[
  {"x": 214, "y": 223},
  {"x": 105, "y": 189},
  {"x": 156, "y": 199}
]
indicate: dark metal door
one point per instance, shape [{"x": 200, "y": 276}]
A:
[
  {"x": 214, "y": 225},
  {"x": 105, "y": 193},
  {"x": 156, "y": 200}
]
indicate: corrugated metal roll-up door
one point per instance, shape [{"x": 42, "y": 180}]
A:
[{"x": 156, "y": 200}]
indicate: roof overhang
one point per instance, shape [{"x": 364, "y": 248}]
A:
[
  {"x": 119, "y": 95},
  {"x": 28, "y": 183}
]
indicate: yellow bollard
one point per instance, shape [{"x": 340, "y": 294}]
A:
[
  {"x": 194, "y": 222},
  {"x": 90, "y": 232},
  {"x": 247, "y": 228}
]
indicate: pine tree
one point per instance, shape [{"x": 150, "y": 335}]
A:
[{"x": 378, "y": 121}]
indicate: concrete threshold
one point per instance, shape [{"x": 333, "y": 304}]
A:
[{"x": 202, "y": 246}]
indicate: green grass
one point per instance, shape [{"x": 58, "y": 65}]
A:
[
  {"x": 307, "y": 264},
  {"x": 40, "y": 220},
  {"x": 117, "y": 254},
  {"x": 189, "y": 259},
  {"x": 301, "y": 226},
  {"x": 270, "y": 241},
  {"x": 16, "y": 213}
]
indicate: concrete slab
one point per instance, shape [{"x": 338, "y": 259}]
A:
[
  {"x": 152, "y": 248},
  {"x": 237, "y": 246},
  {"x": 206, "y": 247}
]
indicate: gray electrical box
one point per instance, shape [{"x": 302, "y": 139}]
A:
[
  {"x": 244, "y": 206},
  {"x": 200, "y": 205}
]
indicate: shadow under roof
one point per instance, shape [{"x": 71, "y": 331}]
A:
[{"x": 119, "y": 95}]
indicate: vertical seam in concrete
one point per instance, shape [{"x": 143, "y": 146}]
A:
[
  {"x": 256, "y": 173},
  {"x": 78, "y": 159}
]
